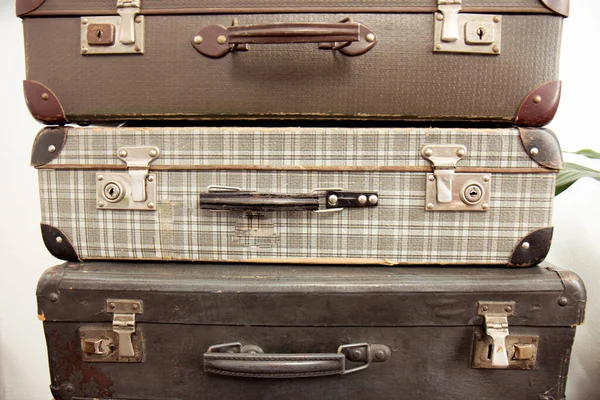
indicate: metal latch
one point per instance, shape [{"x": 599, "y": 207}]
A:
[
  {"x": 119, "y": 342},
  {"x": 131, "y": 190},
  {"x": 122, "y": 34},
  {"x": 456, "y": 32},
  {"x": 497, "y": 348},
  {"x": 447, "y": 190}
]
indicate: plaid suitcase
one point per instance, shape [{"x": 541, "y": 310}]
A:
[
  {"x": 171, "y": 331},
  {"x": 469, "y": 60},
  {"x": 326, "y": 195}
]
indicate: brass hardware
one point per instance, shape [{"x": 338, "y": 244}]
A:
[
  {"x": 465, "y": 33},
  {"x": 121, "y": 34},
  {"x": 521, "y": 352},
  {"x": 131, "y": 190}
]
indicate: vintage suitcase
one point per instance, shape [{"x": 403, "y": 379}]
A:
[
  {"x": 171, "y": 331},
  {"x": 343, "y": 195},
  {"x": 469, "y": 60}
]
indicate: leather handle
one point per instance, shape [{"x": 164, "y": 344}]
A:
[
  {"x": 350, "y": 38},
  {"x": 250, "y": 362},
  {"x": 252, "y": 201}
]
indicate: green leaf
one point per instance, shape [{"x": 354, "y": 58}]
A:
[
  {"x": 571, "y": 173},
  {"x": 588, "y": 153}
]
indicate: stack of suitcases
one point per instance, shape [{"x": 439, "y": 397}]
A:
[{"x": 352, "y": 196}]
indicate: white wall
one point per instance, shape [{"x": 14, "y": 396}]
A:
[{"x": 23, "y": 361}]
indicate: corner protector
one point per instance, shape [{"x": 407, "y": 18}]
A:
[
  {"x": 47, "y": 145},
  {"x": 43, "y": 104},
  {"x": 558, "y": 6},
  {"x": 62, "y": 392},
  {"x": 575, "y": 294},
  {"x": 58, "y": 244},
  {"x": 540, "y": 105},
  {"x": 532, "y": 249},
  {"x": 23, "y": 7},
  {"x": 542, "y": 146}
]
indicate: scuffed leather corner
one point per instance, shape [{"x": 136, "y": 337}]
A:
[
  {"x": 23, "y": 7},
  {"x": 47, "y": 145},
  {"x": 43, "y": 104},
  {"x": 542, "y": 146},
  {"x": 540, "y": 105},
  {"x": 558, "y": 6},
  {"x": 58, "y": 244},
  {"x": 532, "y": 249}
]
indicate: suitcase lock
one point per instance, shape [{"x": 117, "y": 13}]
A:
[
  {"x": 122, "y": 34},
  {"x": 465, "y": 33},
  {"x": 496, "y": 348},
  {"x": 447, "y": 190},
  {"x": 131, "y": 190}
]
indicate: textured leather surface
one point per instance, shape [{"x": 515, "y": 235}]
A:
[{"x": 399, "y": 78}]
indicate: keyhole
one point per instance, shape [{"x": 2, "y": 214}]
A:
[
  {"x": 473, "y": 193},
  {"x": 111, "y": 191},
  {"x": 480, "y": 33},
  {"x": 99, "y": 34},
  {"x": 490, "y": 351}
]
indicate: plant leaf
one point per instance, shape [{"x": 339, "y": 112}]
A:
[
  {"x": 571, "y": 173},
  {"x": 589, "y": 153}
]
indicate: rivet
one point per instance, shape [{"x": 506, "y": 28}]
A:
[
  {"x": 563, "y": 301},
  {"x": 486, "y": 178},
  {"x": 111, "y": 305},
  {"x": 138, "y": 19},
  {"x": 84, "y": 49},
  {"x": 45, "y": 96},
  {"x": 137, "y": 48},
  {"x": 362, "y": 199},
  {"x": 430, "y": 206},
  {"x": 150, "y": 178},
  {"x": 84, "y": 21},
  {"x": 153, "y": 153},
  {"x": 356, "y": 354},
  {"x": 537, "y": 99},
  {"x": 51, "y": 148},
  {"x": 221, "y": 39},
  {"x": 379, "y": 355},
  {"x": 485, "y": 206},
  {"x": 370, "y": 37},
  {"x": 508, "y": 308},
  {"x": 100, "y": 177},
  {"x": 460, "y": 152},
  {"x": 123, "y": 153},
  {"x": 101, "y": 204},
  {"x": 525, "y": 245},
  {"x": 439, "y": 16},
  {"x": 59, "y": 239},
  {"x": 135, "y": 306},
  {"x": 138, "y": 358},
  {"x": 485, "y": 308},
  {"x": 496, "y": 19},
  {"x": 333, "y": 199},
  {"x": 438, "y": 46},
  {"x": 496, "y": 49},
  {"x": 150, "y": 205},
  {"x": 428, "y": 152},
  {"x": 373, "y": 199},
  {"x": 431, "y": 178},
  {"x": 534, "y": 151},
  {"x": 53, "y": 297},
  {"x": 70, "y": 389},
  {"x": 198, "y": 39}
]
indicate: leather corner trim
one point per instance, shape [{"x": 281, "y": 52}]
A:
[
  {"x": 58, "y": 244},
  {"x": 532, "y": 249},
  {"x": 540, "y": 105},
  {"x": 558, "y": 6},
  {"x": 47, "y": 287},
  {"x": 62, "y": 392},
  {"x": 23, "y": 7},
  {"x": 47, "y": 145},
  {"x": 575, "y": 294},
  {"x": 542, "y": 146},
  {"x": 43, "y": 104}
]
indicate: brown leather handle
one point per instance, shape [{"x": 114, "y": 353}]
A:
[{"x": 350, "y": 38}]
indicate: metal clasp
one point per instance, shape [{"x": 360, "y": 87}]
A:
[
  {"x": 449, "y": 10},
  {"x": 124, "y": 312},
  {"x": 133, "y": 190},
  {"x": 495, "y": 320},
  {"x": 122, "y": 34}
]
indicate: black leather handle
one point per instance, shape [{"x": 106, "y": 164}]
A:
[
  {"x": 252, "y": 201},
  {"x": 250, "y": 362}
]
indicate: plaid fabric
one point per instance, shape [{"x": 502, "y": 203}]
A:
[
  {"x": 398, "y": 230},
  {"x": 493, "y": 148}
]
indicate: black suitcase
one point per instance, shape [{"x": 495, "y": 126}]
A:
[{"x": 171, "y": 331}]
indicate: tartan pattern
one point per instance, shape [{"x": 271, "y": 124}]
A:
[
  {"x": 399, "y": 230},
  {"x": 492, "y": 148}
]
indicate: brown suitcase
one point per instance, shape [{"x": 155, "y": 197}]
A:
[
  {"x": 114, "y": 60},
  {"x": 151, "y": 331}
]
